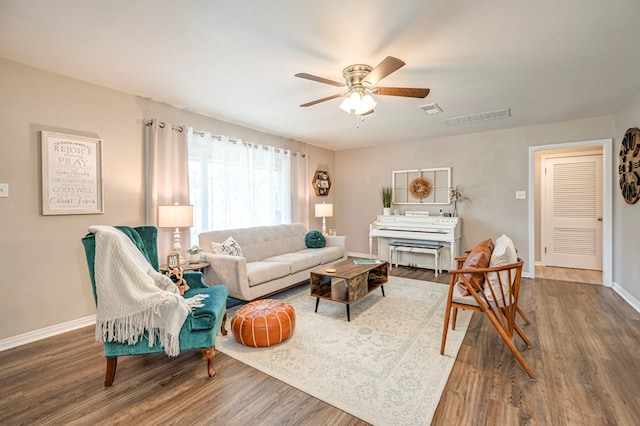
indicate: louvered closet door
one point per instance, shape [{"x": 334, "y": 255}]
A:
[{"x": 573, "y": 212}]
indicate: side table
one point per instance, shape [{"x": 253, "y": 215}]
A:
[{"x": 199, "y": 267}]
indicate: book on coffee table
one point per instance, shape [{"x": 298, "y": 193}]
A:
[{"x": 365, "y": 261}]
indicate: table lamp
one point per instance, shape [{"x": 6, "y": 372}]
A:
[
  {"x": 175, "y": 216},
  {"x": 324, "y": 211}
]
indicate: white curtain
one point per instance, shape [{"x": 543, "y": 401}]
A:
[
  {"x": 300, "y": 188},
  {"x": 236, "y": 184},
  {"x": 167, "y": 179}
]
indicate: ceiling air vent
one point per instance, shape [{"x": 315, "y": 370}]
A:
[
  {"x": 431, "y": 109},
  {"x": 476, "y": 118}
]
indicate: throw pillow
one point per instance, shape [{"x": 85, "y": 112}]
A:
[
  {"x": 504, "y": 253},
  {"x": 478, "y": 258},
  {"x": 315, "y": 239},
  {"x": 229, "y": 246}
]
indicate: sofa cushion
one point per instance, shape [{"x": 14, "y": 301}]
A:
[
  {"x": 326, "y": 254},
  {"x": 260, "y": 272},
  {"x": 229, "y": 246},
  {"x": 298, "y": 261},
  {"x": 478, "y": 258},
  {"x": 261, "y": 242},
  {"x": 315, "y": 239}
]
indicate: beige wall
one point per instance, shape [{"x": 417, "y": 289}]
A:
[
  {"x": 626, "y": 217},
  {"x": 490, "y": 167},
  {"x": 45, "y": 275},
  {"x": 46, "y": 281}
]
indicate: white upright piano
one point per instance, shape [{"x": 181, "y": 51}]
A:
[{"x": 436, "y": 229}]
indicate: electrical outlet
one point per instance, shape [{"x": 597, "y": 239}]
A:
[
  {"x": 4, "y": 189},
  {"x": 521, "y": 195}
]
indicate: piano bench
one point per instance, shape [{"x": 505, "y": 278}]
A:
[{"x": 433, "y": 249}]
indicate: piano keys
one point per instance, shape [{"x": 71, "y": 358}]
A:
[{"x": 428, "y": 229}]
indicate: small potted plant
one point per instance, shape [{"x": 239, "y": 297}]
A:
[
  {"x": 386, "y": 200},
  {"x": 194, "y": 254}
]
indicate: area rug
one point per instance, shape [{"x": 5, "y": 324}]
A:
[{"x": 384, "y": 366}]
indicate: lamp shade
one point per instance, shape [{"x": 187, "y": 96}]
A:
[
  {"x": 175, "y": 216},
  {"x": 324, "y": 210}
]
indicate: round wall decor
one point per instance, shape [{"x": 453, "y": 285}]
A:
[
  {"x": 629, "y": 166},
  {"x": 419, "y": 188}
]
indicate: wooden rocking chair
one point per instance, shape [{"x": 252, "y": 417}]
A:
[{"x": 498, "y": 300}]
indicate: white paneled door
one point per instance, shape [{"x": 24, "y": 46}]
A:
[{"x": 572, "y": 212}]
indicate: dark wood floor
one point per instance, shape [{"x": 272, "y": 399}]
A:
[{"x": 586, "y": 355}]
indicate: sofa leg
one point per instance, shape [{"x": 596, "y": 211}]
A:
[
  {"x": 112, "y": 363},
  {"x": 209, "y": 353},
  {"x": 223, "y": 329}
]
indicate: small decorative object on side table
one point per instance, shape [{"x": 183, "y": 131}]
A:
[
  {"x": 173, "y": 259},
  {"x": 194, "y": 254}
]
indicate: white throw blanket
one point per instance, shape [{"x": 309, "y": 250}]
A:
[{"x": 133, "y": 298}]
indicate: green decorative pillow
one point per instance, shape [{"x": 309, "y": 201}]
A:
[{"x": 315, "y": 239}]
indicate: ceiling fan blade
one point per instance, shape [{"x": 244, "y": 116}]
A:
[
  {"x": 317, "y": 101},
  {"x": 409, "y": 92},
  {"x": 384, "y": 68},
  {"x": 319, "y": 79}
]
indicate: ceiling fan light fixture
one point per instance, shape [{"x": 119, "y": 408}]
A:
[
  {"x": 367, "y": 103},
  {"x": 358, "y": 102},
  {"x": 345, "y": 105}
]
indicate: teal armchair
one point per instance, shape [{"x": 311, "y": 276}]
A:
[{"x": 202, "y": 325}]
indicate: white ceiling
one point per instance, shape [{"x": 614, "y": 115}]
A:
[{"x": 546, "y": 60}]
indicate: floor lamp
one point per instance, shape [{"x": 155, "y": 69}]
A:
[
  {"x": 324, "y": 211},
  {"x": 175, "y": 216}
]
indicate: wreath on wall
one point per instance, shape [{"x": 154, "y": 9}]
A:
[{"x": 419, "y": 188}]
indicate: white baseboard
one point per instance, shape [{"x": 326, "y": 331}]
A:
[
  {"x": 364, "y": 255},
  {"x": 43, "y": 333},
  {"x": 635, "y": 303}
]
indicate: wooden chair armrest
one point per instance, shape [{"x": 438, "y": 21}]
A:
[{"x": 518, "y": 264}]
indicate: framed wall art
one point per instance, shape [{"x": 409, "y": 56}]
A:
[
  {"x": 71, "y": 174},
  {"x": 422, "y": 186}
]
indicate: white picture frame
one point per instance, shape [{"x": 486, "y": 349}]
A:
[
  {"x": 438, "y": 177},
  {"x": 71, "y": 174}
]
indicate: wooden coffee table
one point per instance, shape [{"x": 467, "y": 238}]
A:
[{"x": 347, "y": 282}]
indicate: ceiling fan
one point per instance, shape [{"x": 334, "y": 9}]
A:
[{"x": 360, "y": 82}]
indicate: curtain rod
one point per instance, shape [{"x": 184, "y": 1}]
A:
[{"x": 147, "y": 122}]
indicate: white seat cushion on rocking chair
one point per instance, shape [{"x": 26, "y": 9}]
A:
[{"x": 457, "y": 297}]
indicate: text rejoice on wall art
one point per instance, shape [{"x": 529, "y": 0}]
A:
[{"x": 71, "y": 174}]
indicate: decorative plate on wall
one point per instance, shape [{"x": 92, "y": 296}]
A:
[{"x": 629, "y": 166}]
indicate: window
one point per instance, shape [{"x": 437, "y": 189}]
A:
[{"x": 235, "y": 184}]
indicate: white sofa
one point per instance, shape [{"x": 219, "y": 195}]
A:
[{"x": 273, "y": 259}]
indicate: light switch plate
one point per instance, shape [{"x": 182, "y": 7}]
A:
[
  {"x": 4, "y": 189},
  {"x": 521, "y": 195}
]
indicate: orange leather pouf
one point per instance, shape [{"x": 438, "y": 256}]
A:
[{"x": 263, "y": 323}]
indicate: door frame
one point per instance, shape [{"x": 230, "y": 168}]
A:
[{"x": 607, "y": 199}]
